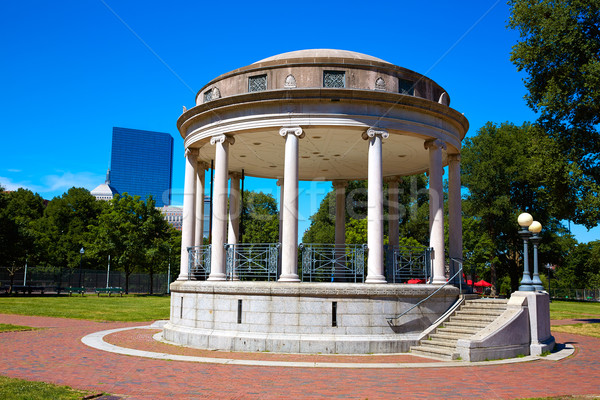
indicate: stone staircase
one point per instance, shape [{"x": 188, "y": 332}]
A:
[{"x": 473, "y": 316}]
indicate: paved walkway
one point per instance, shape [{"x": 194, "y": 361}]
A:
[{"x": 56, "y": 354}]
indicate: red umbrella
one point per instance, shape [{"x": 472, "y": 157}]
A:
[{"x": 483, "y": 283}]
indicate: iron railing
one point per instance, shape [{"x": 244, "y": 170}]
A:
[
  {"x": 405, "y": 263},
  {"x": 252, "y": 261},
  {"x": 333, "y": 263},
  {"x": 199, "y": 262},
  {"x": 448, "y": 282}
]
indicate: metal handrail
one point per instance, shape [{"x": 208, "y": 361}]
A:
[{"x": 389, "y": 320}]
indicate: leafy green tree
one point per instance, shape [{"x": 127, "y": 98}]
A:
[
  {"x": 120, "y": 233},
  {"x": 413, "y": 213},
  {"x": 65, "y": 229},
  {"x": 259, "y": 219},
  {"x": 156, "y": 238},
  {"x": 558, "y": 49},
  {"x": 19, "y": 211},
  {"x": 581, "y": 268},
  {"x": 507, "y": 170}
]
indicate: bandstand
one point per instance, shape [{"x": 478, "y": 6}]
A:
[{"x": 315, "y": 115}]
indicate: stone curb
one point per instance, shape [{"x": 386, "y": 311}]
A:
[{"x": 96, "y": 340}]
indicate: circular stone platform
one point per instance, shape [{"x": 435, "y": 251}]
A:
[{"x": 327, "y": 318}]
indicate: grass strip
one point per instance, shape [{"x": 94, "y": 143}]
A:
[
  {"x": 130, "y": 308},
  {"x": 18, "y": 389},
  {"x": 592, "y": 330},
  {"x": 574, "y": 310},
  {"x": 15, "y": 328}
]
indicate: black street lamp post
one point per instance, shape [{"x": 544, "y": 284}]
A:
[
  {"x": 525, "y": 220},
  {"x": 80, "y": 258}
]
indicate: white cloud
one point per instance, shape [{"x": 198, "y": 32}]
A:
[
  {"x": 8, "y": 184},
  {"x": 55, "y": 184},
  {"x": 67, "y": 180}
]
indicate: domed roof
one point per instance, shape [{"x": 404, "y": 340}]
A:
[{"x": 322, "y": 53}]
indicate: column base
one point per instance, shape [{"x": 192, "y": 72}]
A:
[
  {"x": 289, "y": 278},
  {"x": 526, "y": 288},
  {"x": 438, "y": 281},
  {"x": 216, "y": 277},
  {"x": 375, "y": 279}
]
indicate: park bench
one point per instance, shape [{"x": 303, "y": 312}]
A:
[
  {"x": 72, "y": 290},
  {"x": 109, "y": 290},
  {"x": 28, "y": 289}
]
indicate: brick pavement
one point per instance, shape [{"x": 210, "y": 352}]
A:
[{"x": 55, "y": 354}]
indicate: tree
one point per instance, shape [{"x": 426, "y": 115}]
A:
[
  {"x": 260, "y": 221},
  {"x": 19, "y": 210},
  {"x": 413, "y": 213},
  {"x": 133, "y": 232},
  {"x": 559, "y": 49},
  {"x": 156, "y": 237},
  {"x": 507, "y": 170},
  {"x": 65, "y": 229}
]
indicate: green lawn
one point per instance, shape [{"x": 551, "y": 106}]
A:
[
  {"x": 18, "y": 389},
  {"x": 103, "y": 308},
  {"x": 573, "y": 309}
]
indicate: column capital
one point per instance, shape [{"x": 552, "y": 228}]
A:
[
  {"x": 279, "y": 182},
  {"x": 222, "y": 139},
  {"x": 454, "y": 157},
  {"x": 339, "y": 183},
  {"x": 372, "y": 132},
  {"x": 202, "y": 165},
  {"x": 235, "y": 175},
  {"x": 392, "y": 179},
  {"x": 296, "y": 130},
  {"x": 434, "y": 143},
  {"x": 191, "y": 152}
]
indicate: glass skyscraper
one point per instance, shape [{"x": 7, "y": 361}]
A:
[{"x": 141, "y": 164}]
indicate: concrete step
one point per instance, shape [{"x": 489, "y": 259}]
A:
[
  {"x": 488, "y": 300},
  {"x": 472, "y": 317},
  {"x": 444, "y": 343},
  {"x": 460, "y": 330},
  {"x": 448, "y": 336},
  {"x": 467, "y": 323},
  {"x": 434, "y": 352},
  {"x": 481, "y": 311},
  {"x": 475, "y": 317}
]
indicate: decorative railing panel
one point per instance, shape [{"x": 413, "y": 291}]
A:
[
  {"x": 406, "y": 263},
  {"x": 252, "y": 261},
  {"x": 199, "y": 262},
  {"x": 333, "y": 263}
]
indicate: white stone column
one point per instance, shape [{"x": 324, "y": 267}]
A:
[
  {"x": 219, "y": 225},
  {"x": 340, "y": 211},
  {"x": 454, "y": 213},
  {"x": 289, "y": 231},
  {"x": 187, "y": 224},
  {"x": 234, "y": 208},
  {"x": 199, "y": 204},
  {"x": 393, "y": 215},
  {"x": 280, "y": 184},
  {"x": 375, "y": 205},
  {"x": 436, "y": 210},
  {"x": 340, "y": 226}
]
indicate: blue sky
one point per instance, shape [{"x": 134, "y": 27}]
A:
[{"x": 71, "y": 70}]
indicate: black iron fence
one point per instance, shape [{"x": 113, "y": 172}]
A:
[{"x": 51, "y": 280}]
